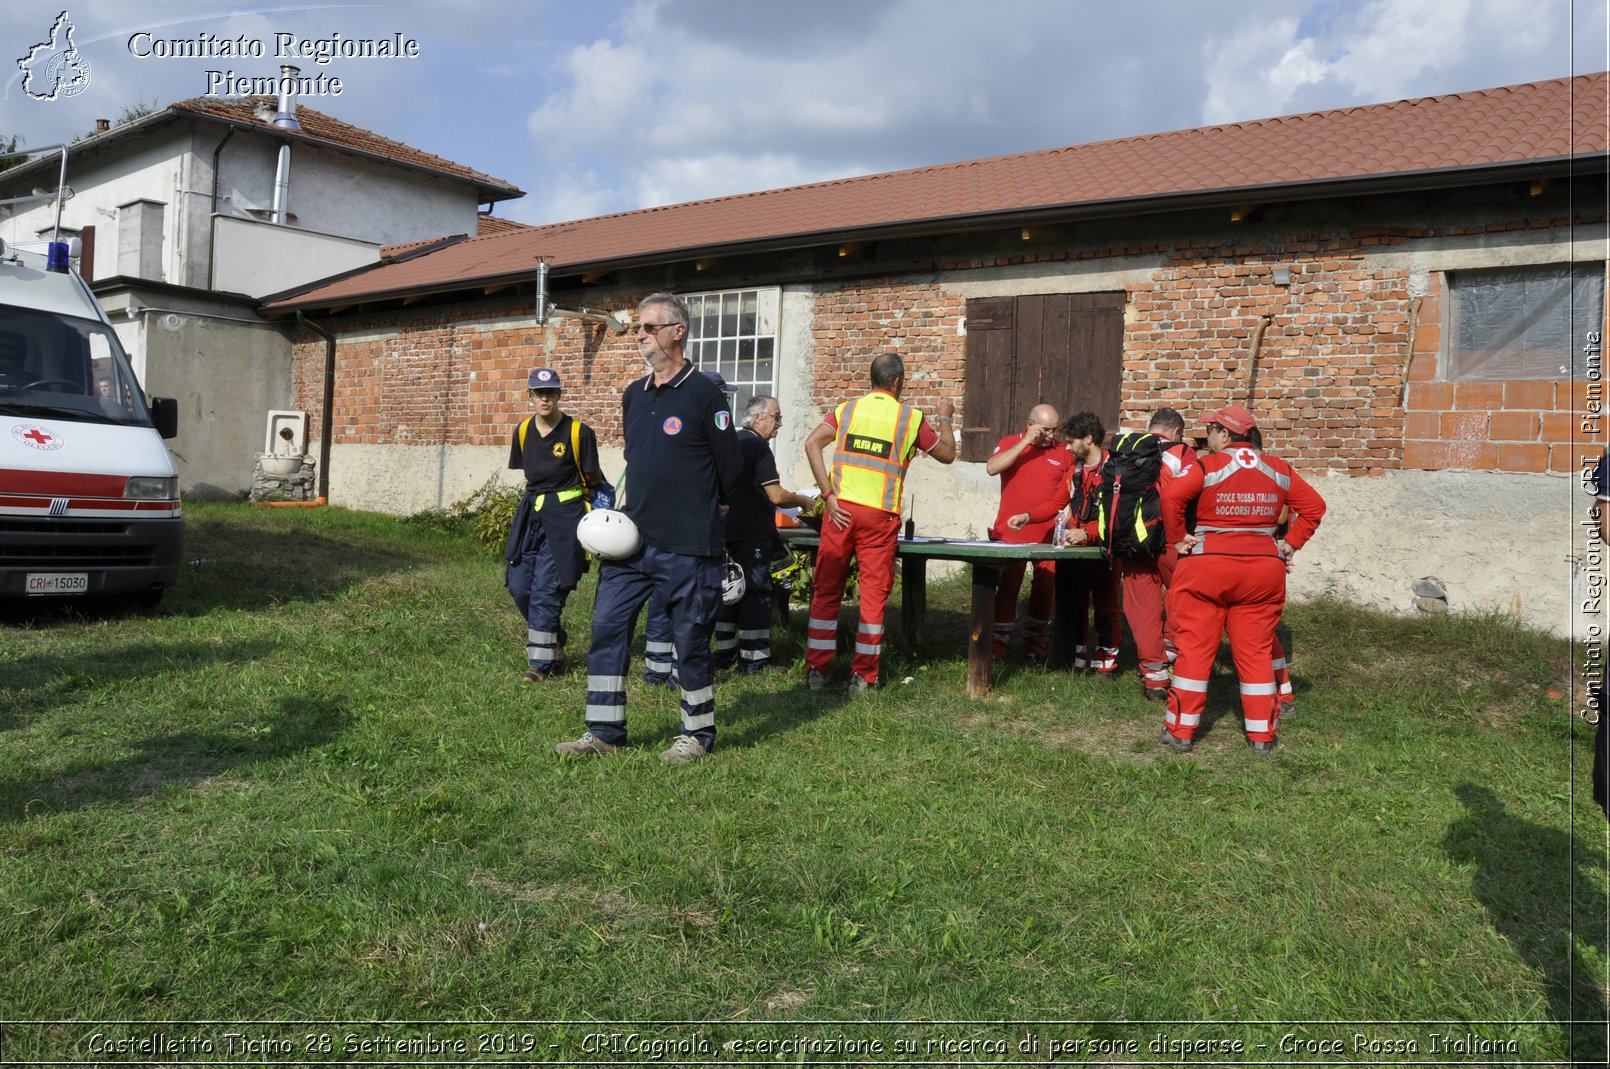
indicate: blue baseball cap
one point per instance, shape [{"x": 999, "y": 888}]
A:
[{"x": 543, "y": 378}]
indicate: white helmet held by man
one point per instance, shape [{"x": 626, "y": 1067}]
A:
[
  {"x": 609, "y": 535},
  {"x": 733, "y": 583}
]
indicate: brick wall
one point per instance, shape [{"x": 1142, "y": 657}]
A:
[
  {"x": 854, "y": 322},
  {"x": 1521, "y": 425},
  {"x": 1329, "y": 355},
  {"x": 1332, "y": 350},
  {"x": 458, "y": 376}
]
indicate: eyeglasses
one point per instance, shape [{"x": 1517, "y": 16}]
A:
[{"x": 652, "y": 327}]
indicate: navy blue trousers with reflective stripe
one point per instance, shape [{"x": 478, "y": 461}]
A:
[
  {"x": 659, "y": 651},
  {"x": 690, "y": 589},
  {"x": 743, "y": 631},
  {"x": 533, "y": 581}
]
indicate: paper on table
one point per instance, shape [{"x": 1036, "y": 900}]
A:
[{"x": 813, "y": 493}]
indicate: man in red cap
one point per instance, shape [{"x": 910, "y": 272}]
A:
[{"x": 1232, "y": 573}]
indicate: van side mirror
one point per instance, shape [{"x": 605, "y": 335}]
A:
[{"x": 165, "y": 415}]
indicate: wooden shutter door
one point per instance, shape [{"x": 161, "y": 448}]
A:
[
  {"x": 987, "y": 399},
  {"x": 1066, "y": 349}
]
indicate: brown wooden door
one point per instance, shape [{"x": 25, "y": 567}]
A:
[{"x": 1064, "y": 349}]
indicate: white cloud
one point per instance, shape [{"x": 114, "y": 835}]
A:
[
  {"x": 1397, "y": 41},
  {"x": 605, "y": 105},
  {"x": 1253, "y": 69},
  {"x": 724, "y": 174},
  {"x": 1389, "y": 50}
]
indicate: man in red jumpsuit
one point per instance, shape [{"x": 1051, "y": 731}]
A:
[
  {"x": 1095, "y": 579},
  {"x": 1232, "y": 573},
  {"x": 1034, "y": 469}
]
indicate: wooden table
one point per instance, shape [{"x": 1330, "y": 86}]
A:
[{"x": 986, "y": 559}]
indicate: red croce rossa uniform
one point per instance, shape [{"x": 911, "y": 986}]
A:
[
  {"x": 1235, "y": 578},
  {"x": 1178, "y": 458},
  {"x": 1037, "y": 485}
]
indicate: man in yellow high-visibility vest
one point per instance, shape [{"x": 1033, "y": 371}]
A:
[{"x": 874, "y": 439}]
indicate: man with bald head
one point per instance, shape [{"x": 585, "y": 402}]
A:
[{"x": 1034, "y": 468}]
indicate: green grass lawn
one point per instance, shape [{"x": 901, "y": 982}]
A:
[{"x": 312, "y": 789}]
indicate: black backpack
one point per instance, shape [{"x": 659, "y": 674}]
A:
[{"x": 1131, "y": 515}]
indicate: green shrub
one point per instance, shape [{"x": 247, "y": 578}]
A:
[{"x": 483, "y": 517}]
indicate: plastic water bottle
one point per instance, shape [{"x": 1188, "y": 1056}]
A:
[{"x": 1060, "y": 535}]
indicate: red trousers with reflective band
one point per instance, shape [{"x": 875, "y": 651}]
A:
[
  {"x": 872, "y": 541},
  {"x": 1212, "y": 594},
  {"x": 1142, "y": 584},
  {"x": 1165, "y": 568},
  {"x": 1042, "y": 601}
]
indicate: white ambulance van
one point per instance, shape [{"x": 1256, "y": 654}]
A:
[{"x": 89, "y": 495}]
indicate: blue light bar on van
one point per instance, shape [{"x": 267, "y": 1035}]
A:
[{"x": 56, "y": 257}]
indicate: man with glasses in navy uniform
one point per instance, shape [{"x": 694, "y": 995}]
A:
[
  {"x": 682, "y": 461},
  {"x": 743, "y": 631}
]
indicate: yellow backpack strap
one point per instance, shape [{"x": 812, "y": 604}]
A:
[
  {"x": 526, "y": 423},
  {"x": 575, "y": 449}
]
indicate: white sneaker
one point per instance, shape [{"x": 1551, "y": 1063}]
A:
[
  {"x": 686, "y": 748},
  {"x": 586, "y": 746}
]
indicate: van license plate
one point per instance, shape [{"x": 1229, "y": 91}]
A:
[{"x": 58, "y": 583}]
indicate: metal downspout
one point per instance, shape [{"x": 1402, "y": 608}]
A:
[
  {"x": 212, "y": 235},
  {"x": 325, "y": 416}
]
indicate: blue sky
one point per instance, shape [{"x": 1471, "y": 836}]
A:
[{"x": 612, "y": 105}]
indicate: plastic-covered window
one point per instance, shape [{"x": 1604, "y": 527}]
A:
[{"x": 1524, "y": 322}]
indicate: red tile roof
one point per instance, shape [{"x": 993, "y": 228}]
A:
[
  {"x": 1538, "y": 122},
  {"x": 318, "y": 127},
  {"x": 487, "y": 224},
  {"x": 492, "y": 224}
]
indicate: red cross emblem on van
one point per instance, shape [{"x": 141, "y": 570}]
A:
[{"x": 37, "y": 438}]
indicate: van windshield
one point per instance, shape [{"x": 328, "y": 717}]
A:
[{"x": 56, "y": 365}]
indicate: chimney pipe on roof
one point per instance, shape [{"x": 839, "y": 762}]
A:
[
  {"x": 102, "y": 125},
  {"x": 285, "y": 119}
]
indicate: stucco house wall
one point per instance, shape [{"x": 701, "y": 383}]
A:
[{"x": 181, "y": 247}]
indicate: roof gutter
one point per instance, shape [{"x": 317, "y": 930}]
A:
[{"x": 1084, "y": 211}]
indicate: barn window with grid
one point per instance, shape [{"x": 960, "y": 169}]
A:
[
  {"x": 1524, "y": 322},
  {"x": 734, "y": 332}
]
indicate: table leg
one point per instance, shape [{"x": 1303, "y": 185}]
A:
[
  {"x": 980, "y": 655},
  {"x": 1064, "y": 629},
  {"x": 780, "y": 596},
  {"x": 913, "y": 600}
]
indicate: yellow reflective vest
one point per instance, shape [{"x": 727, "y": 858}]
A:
[{"x": 877, "y": 436}]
